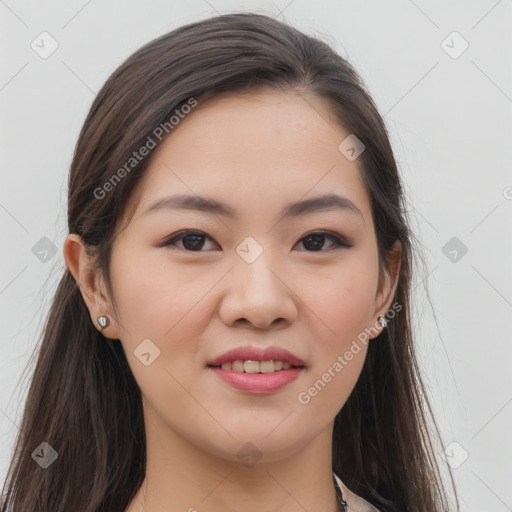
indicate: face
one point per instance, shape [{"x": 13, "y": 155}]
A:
[{"x": 193, "y": 283}]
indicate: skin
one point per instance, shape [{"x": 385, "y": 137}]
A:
[{"x": 256, "y": 152}]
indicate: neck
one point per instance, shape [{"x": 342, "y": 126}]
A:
[{"x": 183, "y": 476}]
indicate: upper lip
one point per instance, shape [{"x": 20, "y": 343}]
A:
[{"x": 256, "y": 354}]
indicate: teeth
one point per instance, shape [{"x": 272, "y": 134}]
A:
[{"x": 256, "y": 366}]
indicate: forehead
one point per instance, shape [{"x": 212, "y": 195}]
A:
[{"x": 255, "y": 150}]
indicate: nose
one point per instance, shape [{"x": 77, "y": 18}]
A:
[{"x": 258, "y": 295}]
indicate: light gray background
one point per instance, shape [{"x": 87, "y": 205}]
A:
[{"x": 450, "y": 122}]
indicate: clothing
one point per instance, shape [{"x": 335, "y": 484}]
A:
[{"x": 382, "y": 490}]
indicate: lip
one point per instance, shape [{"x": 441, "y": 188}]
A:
[
  {"x": 257, "y": 354},
  {"x": 257, "y": 383}
]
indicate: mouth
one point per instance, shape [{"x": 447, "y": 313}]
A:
[
  {"x": 252, "y": 359},
  {"x": 254, "y": 381},
  {"x": 256, "y": 370},
  {"x": 251, "y": 366}
]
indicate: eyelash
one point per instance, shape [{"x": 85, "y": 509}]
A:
[{"x": 338, "y": 241}]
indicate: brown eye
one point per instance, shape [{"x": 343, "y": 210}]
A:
[
  {"x": 315, "y": 241},
  {"x": 192, "y": 241}
]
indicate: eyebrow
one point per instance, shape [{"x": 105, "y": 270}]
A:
[{"x": 297, "y": 209}]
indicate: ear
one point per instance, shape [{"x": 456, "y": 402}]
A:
[
  {"x": 387, "y": 283},
  {"x": 91, "y": 283}
]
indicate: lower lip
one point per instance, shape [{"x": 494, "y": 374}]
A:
[{"x": 257, "y": 382}]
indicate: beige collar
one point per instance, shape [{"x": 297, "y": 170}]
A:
[{"x": 355, "y": 503}]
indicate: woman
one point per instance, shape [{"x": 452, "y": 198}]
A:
[{"x": 233, "y": 327}]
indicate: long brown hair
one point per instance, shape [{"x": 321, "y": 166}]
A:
[{"x": 83, "y": 399}]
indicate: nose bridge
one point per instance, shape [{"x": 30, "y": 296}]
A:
[
  {"x": 257, "y": 290},
  {"x": 256, "y": 267}
]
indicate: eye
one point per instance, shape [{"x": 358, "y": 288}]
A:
[
  {"x": 193, "y": 241},
  {"x": 316, "y": 241}
]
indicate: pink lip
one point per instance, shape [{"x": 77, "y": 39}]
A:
[
  {"x": 256, "y": 354},
  {"x": 257, "y": 383}
]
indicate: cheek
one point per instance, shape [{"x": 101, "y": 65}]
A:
[
  {"x": 165, "y": 307},
  {"x": 163, "y": 304},
  {"x": 152, "y": 295},
  {"x": 340, "y": 350},
  {"x": 342, "y": 299},
  {"x": 339, "y": 305}
]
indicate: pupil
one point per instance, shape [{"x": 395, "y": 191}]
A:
[
  {"x": 195, "y": 244},
  {"x": 319, "y": 240}
]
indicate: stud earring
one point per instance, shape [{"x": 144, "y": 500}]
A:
[
  {"x": 103, "y": 321},
  {"x": 382, "y": 321}
]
